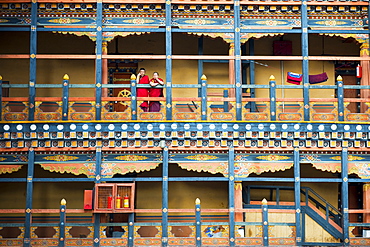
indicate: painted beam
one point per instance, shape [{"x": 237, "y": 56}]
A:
[
  {"x": 344, "y": 197},
  {"x": 305, "y": 64},
  {"x": 32, "y": 72},
  {"x": 297, "y": 197},
  {"x": 98, "y": 60},
  {"x": 231, "y": 167},
  {"x": 29, "y": 198},
  {"x": 168, "y": 84},
  {"x": 164, "y": 224},
  {"x": 200, "y": 63},
  {"x": 65, "y": 97},
  {"x": 237, "y": 63}
]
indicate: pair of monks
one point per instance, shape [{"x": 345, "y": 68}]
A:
[{"x": 152, "y": 106}]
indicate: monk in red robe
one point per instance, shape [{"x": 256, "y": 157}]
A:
[
  {"x": 143, "y": 92},
  {"x": 155, "y": 106}
]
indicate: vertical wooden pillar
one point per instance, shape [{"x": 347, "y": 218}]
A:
[
  {"x": 365, "y": 80},
  {"x": 366, "y": 202},
  {"x": 29, "y": 198},
  {"x": 165, "y": 198},
  {"x": 65, "y": 98},
  {"x": 168, "y": 61},
  {"x": 98, "y": 60},
  {"x": 340, "y": 95},
  {"x": 265, "y": 223},
  {"x": 198, "y": 224},
  {"x": 272, "y": 98},
  {"x": 200, "y": 63},
  {"x": 104, "y": 73},
  {"x": 344, "y": 196},
  {"x": 97, "y": 180},
  {"x": 305, "y": 71},
  {"x": 62, "y": 223},
  {"x": 231, "y": 197},
  {"x": 33, "y": 52},
  {"x": 231, "y": 70},
  {"x": 238, "y": 200},
  {"x": 297, "y": 197},
  {"x": 203, "y": 93}
]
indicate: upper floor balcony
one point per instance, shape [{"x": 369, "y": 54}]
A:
[{"x": 216, "y": 102}]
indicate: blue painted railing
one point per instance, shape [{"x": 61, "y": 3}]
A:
[{"x": 268, "y": 109}]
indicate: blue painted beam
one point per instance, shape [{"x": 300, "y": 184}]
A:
[
  {"x": 231, "y": 170},
  {"x": 203, "y": 94},
  {"x": 29, "y": 198},
  {"x": 65, "y": 98},
  {"x": 168, "y": 84},
  {"x": 1, "y": 98},
  {"x": 305, "y": 64},
  {"x": 344, "y": 196},
  {"x": 164, "y": 224},
  {"x": 297, "y": 197},
  {"x": 198, "y": 224},
  {"x": 252, "y": 75},
  {"x": 340, "y": 97},
  {"x": 98, "y": 163},
  {"x": 133, "y": 98},
  {"x": 98, "y": 60},
  {"x": 237, "y": 64},
  {"x": 265, "y": 223},
  {"x": 200, "y": 63},
  {"x": 33, "y": 52},
  {"x": 62, "y": 224},
  {"x": 272, "y": 92},
  {"x": 131, "y": 229}
]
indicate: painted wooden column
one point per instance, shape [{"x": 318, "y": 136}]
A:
[
  {"x": 297, "y": 196},
  {"x": 366, "y": 201},
  {"x": 265, "y": 223},
  {"x": 252, "y": 75},
  {"x": 165, "y": 198},
  {"x": 200, "y": 63},
  {"x": 340, "y": 96},
  {"x": 238, "y": 200},
  {"x": 1, "y": 98},
  {"x": 231, "y": 197},
  {"x": 272, "y": 92},
  {"x": 231, "y": 70},
  {"x": 168, "y": 61},
  {"x": 131, "y": 230},
  {"x": 98, "y": 60},
  {"x": 29, "y": 198},
  {"x": 98, "y": 164},
  {"x": 365, "y": 80},
  {"x": 65, "y": 97},
  {"x": 305, "y": 63},
  {"x": 238, "y": 64},
  {"x": 198, "y": 224},
  {"x": 133, "y": 87},
  {"x": 344, "y": 196},
  {"x": 62, "y": 223},
  {"x": 104, "y": 69},
  {"x": 203, "y": 93},
  {"x": 33, "y": 52}
]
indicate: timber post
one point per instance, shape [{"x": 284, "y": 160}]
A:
[
  {"x": 340, "y": 96},
  {"x": 198, "y": 224},
  {"x": 204, "y": 97},
  {"x": 265, "y": 226},
  {"x": 65, "y": 97},
  {"x": 1, "y": 98},
  {"x": 272, "y": 91},
  {"x": 133, "y": 97},
  {"x": 62, "y": 223}
]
